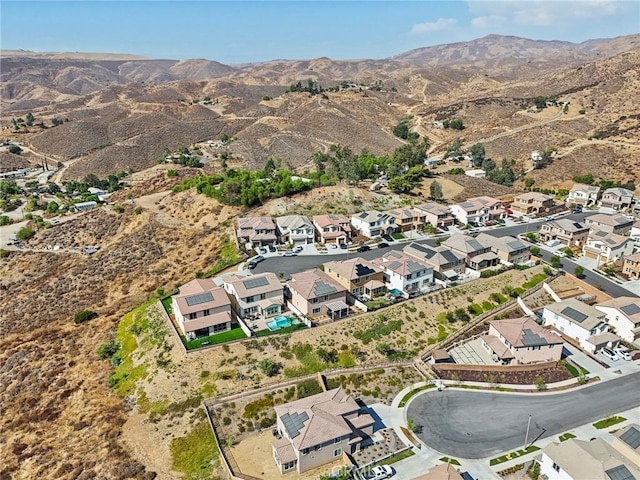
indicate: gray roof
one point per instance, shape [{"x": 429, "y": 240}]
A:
[
  {"x": 577, "y": 312},
  {"x": 255, "y": 282},
  {"x": 292, "y": 222},
  {"x": 503, "y": 244},
  {"x": 293, "y": 422},
  {"x": 435, "y": 256},
  {"x": 199, "y": 298},
  {"x": 621, "y": 472},
  {"x": 620, "y": 192},
  {"x": 631, "y": 437},
  {"x": 568, "y": 225},
  {"x": 610, "y": 220}
]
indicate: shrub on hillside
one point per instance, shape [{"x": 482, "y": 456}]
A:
[{"x": 84, "y": 316}]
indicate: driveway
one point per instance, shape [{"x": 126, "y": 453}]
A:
[{"x": 472, "y": 425}]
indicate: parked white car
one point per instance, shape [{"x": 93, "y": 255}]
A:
[
  {"x": 379, "y": 473},
  {"x": 623, "y": 353},
  {"x": 610, "y": 354}
]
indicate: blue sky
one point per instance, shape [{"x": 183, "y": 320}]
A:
[{"x": 251, "y": 31}]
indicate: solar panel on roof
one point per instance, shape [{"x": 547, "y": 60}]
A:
[
  {"x": 322, "y": 288},
  {"x": 621, "y": 472},
  {"x": 199, "y": 298},
  {"x": 530, "y": 338},
  {"x": 394, "y": 265},
  {"x": 630, "y": 309},
  {"x": 293, "y": 422},
  {"x": 255, "y": 282},
  {"x": 363, "y": 270},
  {"x": 573, "y": 314},
  {"x": 631, "y": 437}
]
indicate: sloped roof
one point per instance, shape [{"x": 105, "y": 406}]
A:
[
  {"x": 314, "y": 283},
  {"x": 331, "y": 219},
  {"x": 401, "y": 263},
  {"x": 444, "y": 471},
  {"x": 612, "y": 240},
  {"x": 371, "y": 216},
  {"x": 246, "y": 285},
  {"x": 353, "y": 268},
  {"x": 524, "y": 332},
  {"x": 536, "y": 196},
  {"x": 317, "y": 419},
  {"x": 200, "y": 294},
  {"x": 628, "y": 306},
  {"x": 609, "y": 220},
  {"x": 465, "y": 243},
  {"x": 577, "y": 312},
  {"x": 436, "y": 256},
  {"x": 503, "y": 244},
  {"x": 434, "y": 208},
  {"x": 257, "y": 223},
  {"x": 619, "y": 192},
  {"x": 581, "y": 187},
  {"x": 568, "y": 225},
  {"x": 293, "y": 222}
]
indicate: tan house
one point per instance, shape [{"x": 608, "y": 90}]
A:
[
  {"x": 358, "y": 276},
  {"x": 618, "y": 223},
  {"x": 444, "y": 471},
  {"x": 585, "y": 195},
  {"x": 437, "y": 215},
  {"x": 617, "y": 198},
  {"x": 510, "y": 251},
  {"x": 408, "y": 219},
  {"x": 623, "y": 315},
  {"x": 257, "y": 231},
  {"x": 631, "y": 266},
  {"x": 521, "y": 341},
  {"x": 478, "y": 254},
  {"x": 627, "y": 441},
  {"x": 201, "y": 309},
  {"x": 319, "y": 429},
  {"x": 447, "y": 264},
  {"x": 295, "y": 230},
  {"x": 313, "y": 293},
  {"x": 260, "y": 294},
  {"x": 566, "y": 231},
  {"x": 606, "y": 247},
  {"x": 333, "y": 228},
  {"x": 532, "y": 202}
]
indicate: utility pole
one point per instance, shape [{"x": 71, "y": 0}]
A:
[{"x": 526, "y": 437}]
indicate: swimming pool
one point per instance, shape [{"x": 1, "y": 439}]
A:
[
  {"x": 281, "y": 322},
  {"x": 396, "y": 292}
]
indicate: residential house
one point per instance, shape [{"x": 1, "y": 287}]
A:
[
  {"x": 333, "y": 228},
  {"x": 313, "y": 293},
  {"x": 319, "y": 429},
  {"x": 295, "y": 230},
  {"x": 579, "y": 321},
  {"x": 623, "y": 315},
  {"x": 437, "y": 215},
  {"x": 444, "y": 471},
  {"x": 257, "y": 231},
  {"x": 585, "y": 195},
  {"x": 532, "y": 202},
  {"x": 358, "y": 276},
  {"x": 478, "y": 210},
  {"x": 607, "y": 247},
  {"x": 566, "y": 231},
  {"x": 617, "y": 198},
  {"x": 260, "y": 294},
  {"x": 447, "y": 264},
  {"x": 408, "y": 219},
  {"x": 618, "y": 223},
  {"x": 521, "y": 341},
  {"x": 405, "y": 273},
  {"x": 373, "y": 223},
  {"x": 576, "y": 459},
  {"x": 634, "y": 235},
  {"x": 631, "y": 266},
  {"x": 84, "y": 206},
  {"x": 510, "y": 250},
  {"x": 627, "y": 441},
  {"x": 201, "y": 308},
  {"x": 478, "y": 254}
]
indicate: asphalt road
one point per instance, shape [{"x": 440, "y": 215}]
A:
[{"x": 473, "y": 425}]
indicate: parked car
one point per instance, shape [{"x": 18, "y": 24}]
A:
[
  {"x": 289, "y": 254},
  {"x": 251, "y": 265},
  {"x": 262, "y": 250},
  {"x": 363, "y": 248},
  {"x": 258, "y": 259},
  {"x": 343, "y": 246},
  {"x": 379, "y": 472},
  {"x": 549, "y": 218},
  {"x": 622, "y": 352},
  {"x": 610, "y": 354},
  {"x": 386, "y": 237},
  {"x": 297, "y": 249},
  {"x": 272, "y": 248},
  {"x": 333, "y": 245},
  {"x": 383, "y": 245},
  {"x": 576, "y": 210},
  {"x": 471, "y": 231}
]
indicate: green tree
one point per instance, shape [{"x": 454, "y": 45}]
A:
[
  {"x": 540, "y": 383},
  {"x": 535, "y": 250},
  {"x": 108, "y": 349},
  {"x": 5, "y": 220},
  {"x": 269, "y": 367},
  {"x": 25, "y": 233},
  {"x": 579, "y": 271},
  {"x": 15, "y": 149},
  {"x": 555, "y": 261},
  {"x": 30, "y": 119},
  {"x": 84, "y": 316},
  {"x": 528, "y": 182},
  {"x": 587, "y": 178},
  {"x": 456, "y": 124},
  {"x": 477, "y": 154},
  {"x": 435, "y": 190},
  {"x": 454, "y": 149},
  {"x": 52, "y": 207}
]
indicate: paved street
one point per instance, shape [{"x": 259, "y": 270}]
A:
[{"x": 470, "y": 424}]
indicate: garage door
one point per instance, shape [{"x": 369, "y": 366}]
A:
[{"x": 591, "y": 255}]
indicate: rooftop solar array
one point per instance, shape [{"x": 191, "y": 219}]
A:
[
  {"x": 530, "y": 338},
  {"x": 414, "y": 266},
  {"x": 363, "y": 270},
  {"x": 323, "y": 288},
  {"x": 293, "y": 423},
  {"x": 631, "y": 437},
  {"x": 574, "y": 314},
  {"x": 621, "y": 472},
  {"x": 255, "y": 282},
  {"x": 394, "y": 265},
  {"x": 199, "y": 298},
  {"x": 631, "y": 309}
]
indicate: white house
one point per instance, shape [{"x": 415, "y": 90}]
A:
[
  {"x": 606, "y": 247},
  {"x": 478, "y": 210},
  {"x": 477, "y": 173},
  {"x": 585, "y": 195},
  {"x": 255, "y": 294},
  {"x": 634, "y": 235},
  {"x": 581, "y": 322},
  {"x": 295, "y": 229},
  {"x": 405, "y": 273},
  {"x": 373, "y": 223},
  {"x": 623, "y": 315}
]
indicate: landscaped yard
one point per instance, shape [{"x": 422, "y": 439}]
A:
[
  {"x": 566, "y": 436},
  {"x": 410, "y": 394},
  {"x": 395, "y": 458},
  {"x": 512, "y": 455},
  {"x": 398, "y": 236},
  {"x": 609, "y": 422},
  {"x": 216, "y": 339}
]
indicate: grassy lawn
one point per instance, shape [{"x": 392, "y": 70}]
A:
[
  {"x": 194, "y": 454},
  {"x": 410, "y": 394},
  {"x": 608, "y": 422},
  {"x": 397, "y": 236},
  {"x": 396, "y": 458},
  {"x": 452, "y": 461},
  {"x": 535, "y": 280},
  {"x": 166, "y": 303},
  {"x": 566, "y": 436},
  {"x": 574, "y": 371},
  {"x": 216, "y": 339},
  {"x": 512, "y": 455}
]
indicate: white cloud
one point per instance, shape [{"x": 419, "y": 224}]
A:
[
  {"x": 488, "y": 21},
  {"x": 440, "y": 24}
]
